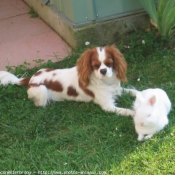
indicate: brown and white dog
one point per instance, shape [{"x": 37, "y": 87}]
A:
[{"x": 96, "y": 76}]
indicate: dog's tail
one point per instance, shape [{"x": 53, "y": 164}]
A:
[{"x": 7, "y": 78}]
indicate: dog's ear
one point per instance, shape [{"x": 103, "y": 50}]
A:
[
  {"x": 84, "y": 67},
  {"x": 119, "y": 64}
]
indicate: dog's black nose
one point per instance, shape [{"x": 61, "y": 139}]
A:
[{"x": 103, "y": 71}]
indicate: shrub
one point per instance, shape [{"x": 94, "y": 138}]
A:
[{"x": 162, "y": 16}]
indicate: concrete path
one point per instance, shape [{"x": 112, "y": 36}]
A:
[{"x": 24, "y": 39}]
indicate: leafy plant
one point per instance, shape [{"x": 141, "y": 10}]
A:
[
  {"x": 19, "y": 69},
  {"x": 32, "y": 13},
  {"x": 162, "y": 17}
]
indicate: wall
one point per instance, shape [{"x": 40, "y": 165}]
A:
[{"x": 98, "y": 32}]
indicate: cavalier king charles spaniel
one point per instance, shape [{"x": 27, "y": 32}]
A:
[{"x": 96, "y": 77}]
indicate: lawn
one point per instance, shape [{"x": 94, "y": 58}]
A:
[{"x": 79, "y": 138}]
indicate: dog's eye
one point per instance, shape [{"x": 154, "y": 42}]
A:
[
  {"x": 109, "y": 64},
  {"x": 96, "y": 66}
]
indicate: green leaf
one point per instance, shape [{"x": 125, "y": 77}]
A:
[
  {"x": 160, "y": 8},
  {"x": 150, "y": 7},
  {"x": 170, "y": 22},
  {"x": 166, "y": 12},
  {"x": 172, "y": 32}
]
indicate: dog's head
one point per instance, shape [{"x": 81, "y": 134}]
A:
[{"x": 104, "y": 62}]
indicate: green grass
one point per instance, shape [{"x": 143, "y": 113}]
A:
[
  {"x": 32, "y": 13},
  {"x": 80, "y": 137}
]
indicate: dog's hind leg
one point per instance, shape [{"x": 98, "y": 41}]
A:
[{"x": 39, "y": 94}]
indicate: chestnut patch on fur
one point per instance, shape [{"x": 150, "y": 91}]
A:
[
  {"x": 54, "y": 74},
  {"x": 86, "y": 91},
  {"x": 53, "y": 85},
  {"x": 71, "y": 91},
  {"x": 32, "y": 85},
  {"x": 37, "y": 73},
  {"x": 49, "y": 69},
  {"x": 94, "y": 61},
  {"x": 25, "y": 81},
  {"x": 119, "y": 62}
]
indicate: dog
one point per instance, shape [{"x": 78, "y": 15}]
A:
[{"x": 96, "y": 77}]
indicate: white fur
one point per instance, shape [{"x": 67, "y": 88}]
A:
[
  {"x": 8, "y": 78},
  {"x": 67, "y": 77},
  {"x": 105, "y": 87},
  {"x": 151, "y": 109},
  {"x": 102, "y": 56}
]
